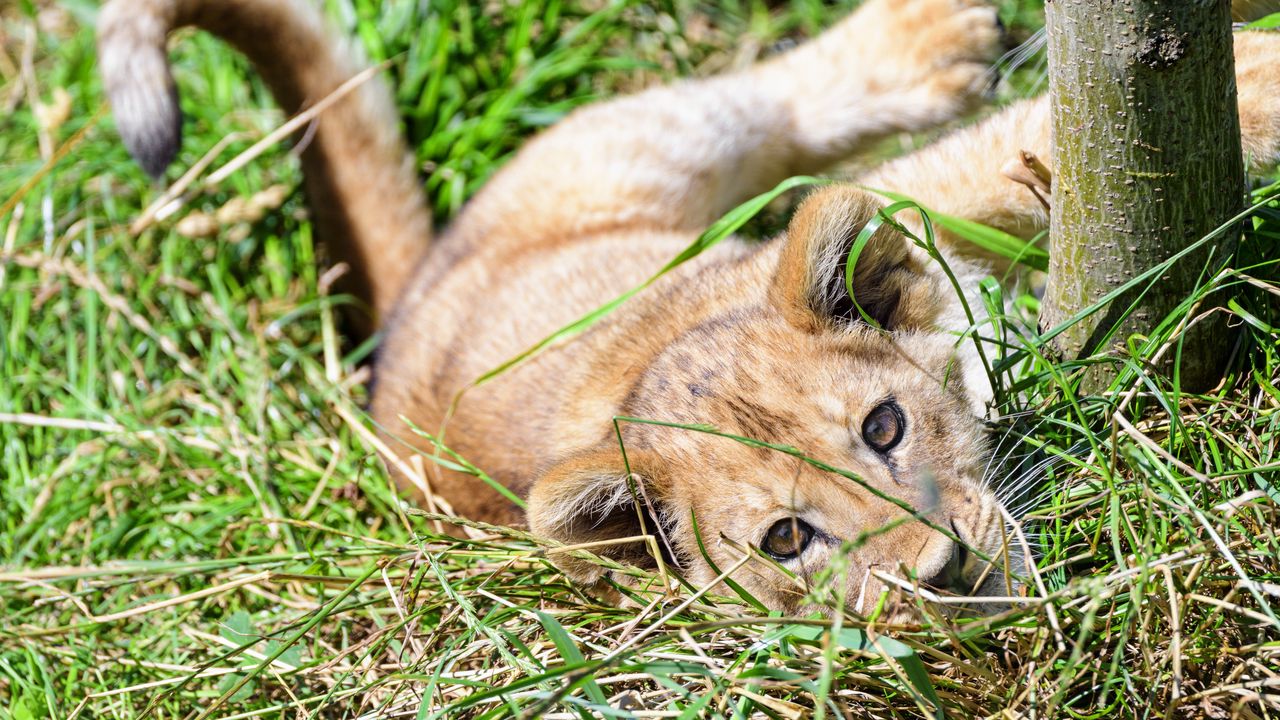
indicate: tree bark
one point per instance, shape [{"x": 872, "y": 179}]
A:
[{"x": 1146, "y": 148}]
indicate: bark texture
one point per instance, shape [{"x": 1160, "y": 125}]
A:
[{"x": 1146, "y": 142}]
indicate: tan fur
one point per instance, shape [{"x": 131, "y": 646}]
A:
[{"x": 757, "y": 341}]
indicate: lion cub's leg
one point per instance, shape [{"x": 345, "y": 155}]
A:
[
  {"x": 961, "y": 174},
  {"x": 677, "y": 157},
  {"x": 1258, "y": 87}
]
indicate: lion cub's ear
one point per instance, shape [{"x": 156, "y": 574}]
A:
[
  {"x": 890, "y": 282},
  {"x": 589, "y": 498}
]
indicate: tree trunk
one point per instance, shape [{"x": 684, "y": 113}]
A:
[{"x": 1146, "y": 149}]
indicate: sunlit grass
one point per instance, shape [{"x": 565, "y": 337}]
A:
[{"x": 193, "y": 524}]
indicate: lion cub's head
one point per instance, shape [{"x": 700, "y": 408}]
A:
[{"x": 801, "y": 369}]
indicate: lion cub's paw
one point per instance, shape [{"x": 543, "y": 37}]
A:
[
  {"x": 891, "y": 66},
  {"x": 1258, "y": 86},
  {"x": 947, "y": 46}
]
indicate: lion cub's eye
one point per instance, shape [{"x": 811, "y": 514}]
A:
[
  {"x": 787, "y": 538},
  {"x": 882, "y": 429}
]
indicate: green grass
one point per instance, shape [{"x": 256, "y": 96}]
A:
[{"x": 193, "y": 525}]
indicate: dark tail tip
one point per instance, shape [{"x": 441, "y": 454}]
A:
[
  {"x": 135, "y": 71},
  {"x": 152, "y": 140}
]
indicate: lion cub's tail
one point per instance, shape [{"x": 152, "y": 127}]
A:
[{"x": 367, "y": 201}]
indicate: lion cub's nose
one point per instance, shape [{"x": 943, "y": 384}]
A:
[{"x": 951, "y": 577}]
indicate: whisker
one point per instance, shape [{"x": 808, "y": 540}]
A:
[{"x": 1018, "y": 56}]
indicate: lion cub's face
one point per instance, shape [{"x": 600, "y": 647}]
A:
[{"x": 801, "y": 371}]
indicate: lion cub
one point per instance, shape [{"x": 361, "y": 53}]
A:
[{"x": 761, "y": 342}]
